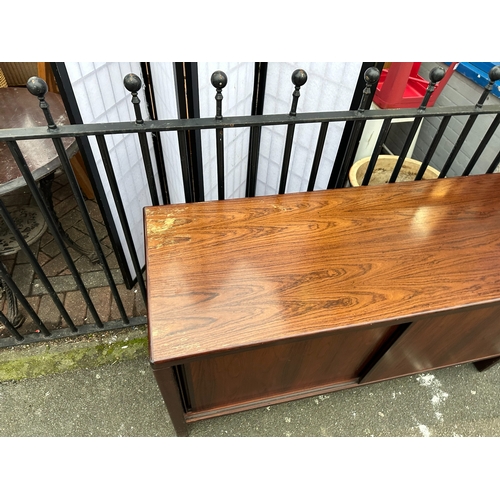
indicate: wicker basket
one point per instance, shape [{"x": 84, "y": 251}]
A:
[
  {"x": 18, "y": 73},
  {"x": 3, "y": 81}
]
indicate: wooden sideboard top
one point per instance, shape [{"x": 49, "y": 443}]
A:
[{"x": 237, "y": 273}]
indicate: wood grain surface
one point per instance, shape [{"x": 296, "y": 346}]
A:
[
  {"x": 242, "y": 273},
  {"x": 280, "y": 369},
  {"x": 441, "y": 341}
]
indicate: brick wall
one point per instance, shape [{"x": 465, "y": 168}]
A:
[{"x": 460, "y": 91}]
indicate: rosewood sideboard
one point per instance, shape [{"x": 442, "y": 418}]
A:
[{"x": 262, "y": 300}]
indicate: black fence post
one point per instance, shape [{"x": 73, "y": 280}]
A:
[
  {"x": 219, "y": 81},
  {"x": 299, "y": 77},
  {"x": 371, "y": 76},
  {"x": 133, "y": 84},
  {"x": 255, "y": 132}
]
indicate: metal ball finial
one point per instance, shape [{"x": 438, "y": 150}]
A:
[
  {"x": 494, "y": 73},
  {"x": 299, "y": 77},
  {"x": 219, "y": 79},
  {"x": 371, "y": 76},
  {"x": 37, "y": 86},
  {"x": 436, "y": 74},
  {"x": 132, "y": 83}
]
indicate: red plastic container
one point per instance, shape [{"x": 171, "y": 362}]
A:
[{"x": 400, "y": 86}]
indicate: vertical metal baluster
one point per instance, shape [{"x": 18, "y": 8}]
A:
[
  {"x": 35, "y": 86},
  {"x": 156, "y": 136},
  {"x": 317, "y": 155},
  {"x": 260, "y": 77},
  {"x": 187, "y": 178},
  {"x": 34, "y": 263},
  {"x": 186, "y": 82},
  {"x": 133, "y": 84},
  {"x": 384, "y": 131},
  {"x": 22, "y": 299},
  {"x": 15, "y": 318},
  {"x": 251, "y": 185},
  {"x": 371, "y": 77},
  {"x": 220, "y": 163},
  {"x": 484, "y": 142},
  {"x": 299, "y": 77},
  {"x": 108, "y": 167},
  {"x": 53, "y": 227},
  {"x": 435, "y": 76},
  {"x": 10, "y": 327},
  {"x": 219, "y": 81},
  {"x": 494, "y": 75},
  {"x": 38, "y": 87},
  {"x": 433, "y": 147}
]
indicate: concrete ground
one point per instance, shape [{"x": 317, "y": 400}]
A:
[{"x": 102, "y": 385}]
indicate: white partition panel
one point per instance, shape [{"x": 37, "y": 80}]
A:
[
  {"x": 102, "y": 98},
  {"x": 166, "y": 107},
  {"x": 237, "y": 101},
  {"x": 330, "y": 87}
]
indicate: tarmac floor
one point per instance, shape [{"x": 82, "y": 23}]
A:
[{"x": 119, "y": 397}]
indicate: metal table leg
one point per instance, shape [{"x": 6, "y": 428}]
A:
[
  {"x": 13, "y": 314},
  {"x": 46, "y": 190}
]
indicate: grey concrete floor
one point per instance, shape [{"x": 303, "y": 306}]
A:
[{"x": 122, "y": 399}]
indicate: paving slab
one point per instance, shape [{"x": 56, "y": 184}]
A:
[{"x": 103, "y": 386}]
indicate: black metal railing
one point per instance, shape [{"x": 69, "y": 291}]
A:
[{"x": 219, "y": 123}]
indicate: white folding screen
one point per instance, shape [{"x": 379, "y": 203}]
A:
[
  {"x": 102, "y": 98},
  {"x": 166, "y": 106},
  {"x": 237, "y": 101},
  {"x": 330, "y": 87}
]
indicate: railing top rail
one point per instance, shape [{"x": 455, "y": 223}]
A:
[{"x": 237, "y": 121}]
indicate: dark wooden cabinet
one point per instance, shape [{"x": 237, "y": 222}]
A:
[
  {"x": 436, "y": 342},
  {"x": 257, "y": 301},
  {"x": 282, "y": 370}
]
